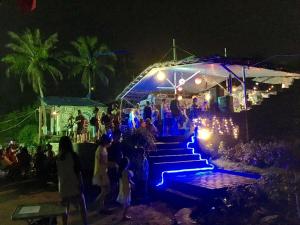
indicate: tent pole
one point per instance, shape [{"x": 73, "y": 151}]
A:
[
  {"x": 174, "y": 59},
  {"x": 245, "y": 103},
  {"x": 174, "y": 50}
]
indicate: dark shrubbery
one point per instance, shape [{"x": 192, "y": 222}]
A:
[
  {"x": 262, "y": 154},
  {"x": 273, "y": 200}
]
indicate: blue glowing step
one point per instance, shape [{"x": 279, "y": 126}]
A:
[
  {"x": 169, "y": 145},
  {"x": 171, "y": 139},
  {"x": 179, "y": 165},
  {"x": 175, "y": 151},
  {"x": 173, "y": 158}
]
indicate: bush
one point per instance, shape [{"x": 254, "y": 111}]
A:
[{"x": 261, "y": 154}]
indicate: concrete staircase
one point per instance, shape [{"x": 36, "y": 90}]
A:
[{"x": 174, "y": 155}]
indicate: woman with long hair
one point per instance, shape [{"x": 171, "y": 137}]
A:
[{"x": 69, "y": 178}]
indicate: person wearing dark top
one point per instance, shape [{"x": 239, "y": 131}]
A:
[
  {"x": 175, "y": 110},
  {"x": 24, "y": 159},
  {"x": 147, "y": 111},
  {"x": 80, "y": 123},
  {"x": 70, "y": 183},
  {"x": 114, "y": 156},
  {"x": 107, "y": 122},
  {"x": 194, "y": 110},
  {"x": 94, "y": 122},
  {"x": 40, "y": 161}
]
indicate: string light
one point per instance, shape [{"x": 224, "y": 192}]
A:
[
  {"x": 216, "y": 125},
  {"x": 180, "y": 88}
]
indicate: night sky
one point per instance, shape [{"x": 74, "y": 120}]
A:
[{"x": 248, "y": 29}]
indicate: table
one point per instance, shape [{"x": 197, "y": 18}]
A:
[{"x": 32, "y": 212}]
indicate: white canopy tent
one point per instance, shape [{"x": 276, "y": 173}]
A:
[{"x": 168, "y": 76}]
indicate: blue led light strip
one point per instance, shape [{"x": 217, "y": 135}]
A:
[{"x": 209, "y": 167}]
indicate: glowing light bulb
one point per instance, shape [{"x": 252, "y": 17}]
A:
[
  {"x": 204, "y": 134},
  {"x": 161, "y": 76},
  {"x": 207, "y": 97},
  {"x": 180, "y": 88},
  {"x": 179, "y": 98},
  {"x": 181, "y": 81},
  {"x": 198, "y": 81}
]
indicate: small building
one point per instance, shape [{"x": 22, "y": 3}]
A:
[{"x": 60, "y": 109}]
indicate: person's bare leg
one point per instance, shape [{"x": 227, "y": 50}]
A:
[
  {"x": 125, "y": 216},
  {"x": 66, "y": 215},
  {"x": 83, "y": 209}
]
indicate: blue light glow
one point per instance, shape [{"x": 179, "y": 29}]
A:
[{"x": 209, "y": 165}]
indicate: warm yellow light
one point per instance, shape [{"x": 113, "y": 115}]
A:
[
  {"x": 204, "y": 134},
  {"x": 234, "y": 89},
  {"x": 161, "y": 76},
  {"x": 207, "y": 97},
  {"x": 92, "y": 88},
  {"x": 179, "y": 98},
  {"x": 54, "y": 113},
  {"x": 198, "y": 81}
]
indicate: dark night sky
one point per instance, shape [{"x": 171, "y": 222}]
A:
[{"x": 251, "y": 29}]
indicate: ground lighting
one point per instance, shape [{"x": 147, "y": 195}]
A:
[{"x": 204, "y": 134}]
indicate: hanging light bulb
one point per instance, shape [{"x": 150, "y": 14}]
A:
[
  {"x": 198, "y": 81},
  {"x": 161, "y": 76},
  {"x": 179, "y": 98},
  {"x": 181, "y": 81},
  {"x": 180, "y": 88}
]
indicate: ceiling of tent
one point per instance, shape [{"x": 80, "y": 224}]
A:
[{"x": 210, "y": 74}]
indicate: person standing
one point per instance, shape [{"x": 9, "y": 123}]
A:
[
  {"x": 164, "y": 111},
  {"x": 101, "y": 178},
  {"x": 70, "y": 185},
  {"x": 175, "y": 110},
  {"x": 147, "y": 111},
  {"x": 94, "y": 121},
  {"x": 80, "y": 126},
  {"x": 194, "y": 110},
  {"x": 124, "y": 197},
  {"x": 115, "y": 155}
]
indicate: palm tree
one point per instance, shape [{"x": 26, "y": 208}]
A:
[
  {"x": 90, "y": 60},
  {"x": 31, "y": 59}
]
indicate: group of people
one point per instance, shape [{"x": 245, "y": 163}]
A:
[
  {"x": 17, "y": 162},
  {"x": 111, "y": 173},
  {"x": 82, "y": 129},
  {"x": 166, "y": 118}
]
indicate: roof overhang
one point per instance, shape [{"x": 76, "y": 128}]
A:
[{"x": 210, "y": 72}]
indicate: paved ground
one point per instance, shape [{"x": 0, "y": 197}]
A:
[
  {"x": 27, "y": 192},
  {"x": 213, "y": 180}
]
